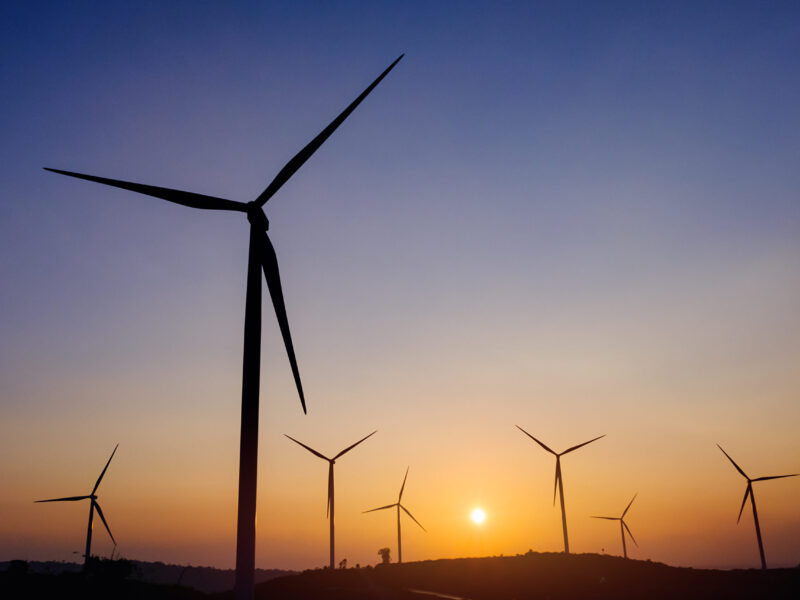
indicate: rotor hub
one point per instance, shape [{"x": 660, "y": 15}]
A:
[{"x": 256, "y": 216}]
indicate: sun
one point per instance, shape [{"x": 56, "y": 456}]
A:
[{"x": 478, "y": 516}]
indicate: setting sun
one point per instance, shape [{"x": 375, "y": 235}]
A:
[{"x": 478, "y": 516}]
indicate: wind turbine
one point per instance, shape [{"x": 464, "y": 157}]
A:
[
  {"x": 559, "y": 482},
  {"x": 261, "y": 256},
  {"x": 331, "y": 462},
  {"x": 93, "y": 505},
  {"x": 623, "y": 527},
  {"x": 749, "y": 492},
  {"x": 399, "y": 506}
]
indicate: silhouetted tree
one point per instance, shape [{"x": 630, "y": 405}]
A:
[
  {"x": 343, "y": 563},
  {"x": 385, "y": 552}
]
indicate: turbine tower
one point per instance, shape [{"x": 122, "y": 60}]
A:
[
  {"x": 558, "y": 486},
  {"x": 399, "y": 507},
  {"x": 749, "y": 492},
  {"x": 331, "y": 462},
  {"x": 93, "y": 505},
  {"x": 261, "y": 256},
  {"x": 623, "y": 527}
]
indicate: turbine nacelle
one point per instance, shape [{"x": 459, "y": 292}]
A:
[{"x": 256, "y": 216}]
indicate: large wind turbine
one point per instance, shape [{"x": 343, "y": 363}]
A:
[
  {"x": 93, "y": 505},
  {"x": 399, "y": 506},
  {"x": 623, "y": 527},
  {"x": 331, "y": 462},
  {"x": 749, "y": 492},
  {"x": 261, "y": 256},
  {"x": 559, "y": 482}
]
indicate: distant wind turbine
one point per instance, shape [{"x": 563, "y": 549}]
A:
[
  {"x": 399, "y": 507},
  {"x": 261, "y": 256},
  {"x": 623, "y": 527},
  {"x": 331, "y": 462},
  {"x": 558, "y": 486},
  {"x": 93, "y": 505},
  {"x": 749, "y": 492}
]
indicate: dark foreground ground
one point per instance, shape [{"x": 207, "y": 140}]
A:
[
  {"x": 203, "y": 579},
  {"x": 532, "y": 576}
]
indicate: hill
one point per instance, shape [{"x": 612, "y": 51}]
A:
[{"x": 535, "y": 576}]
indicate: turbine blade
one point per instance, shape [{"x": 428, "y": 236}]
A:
[
  {"x": 270, "y": 264},
  {"x": 99, "y": 479},
  {"x": 625, "y": 525},
  {"x": 301, "y": 157},
  {"x": 558, "y": 476},
  {"x": 379, "y": 508},
  {"x": 354, "y": 445},
  {"x": 607, "y": 518},
  {"x": 582, "y": 445},
  {"x": 70, "y": 499},
  {"x": 330, "y": 489},
  {"x": 176, "y": 196},
  {"x": 103, "y": 519},
  {"x": 776, "y": 477},
  {"x": 733, "y": 462},
  {"x": 402, "y": 487},
  {"x": 629, "y": 505},
  {"x": 747, "y": 492},
  {"x": 307, "y": 448},
  {"x": 412, "y": 517},
  {"x": 535, "y": 440}
]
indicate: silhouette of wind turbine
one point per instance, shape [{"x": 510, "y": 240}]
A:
[
  {"x": 331, "y": 462},
  {"x": 399, "y": 506},
  {"x": 559, "y": 482},
  {"x": 749, "y": 492},
  {"x": 93, "y": 505},
  {"x": 623, "y": 527},
  {"x": 261, "y": 256}
]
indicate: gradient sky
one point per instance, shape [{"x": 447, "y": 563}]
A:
[{"x": 582, "y": 218}]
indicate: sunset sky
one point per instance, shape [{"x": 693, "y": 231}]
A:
[{"x": 580, "y": 218}]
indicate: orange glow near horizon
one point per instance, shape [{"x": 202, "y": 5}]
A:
[{"x": 685, "y": 512}]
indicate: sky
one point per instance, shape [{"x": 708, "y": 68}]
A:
[{"x": 580, "y": 218}]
